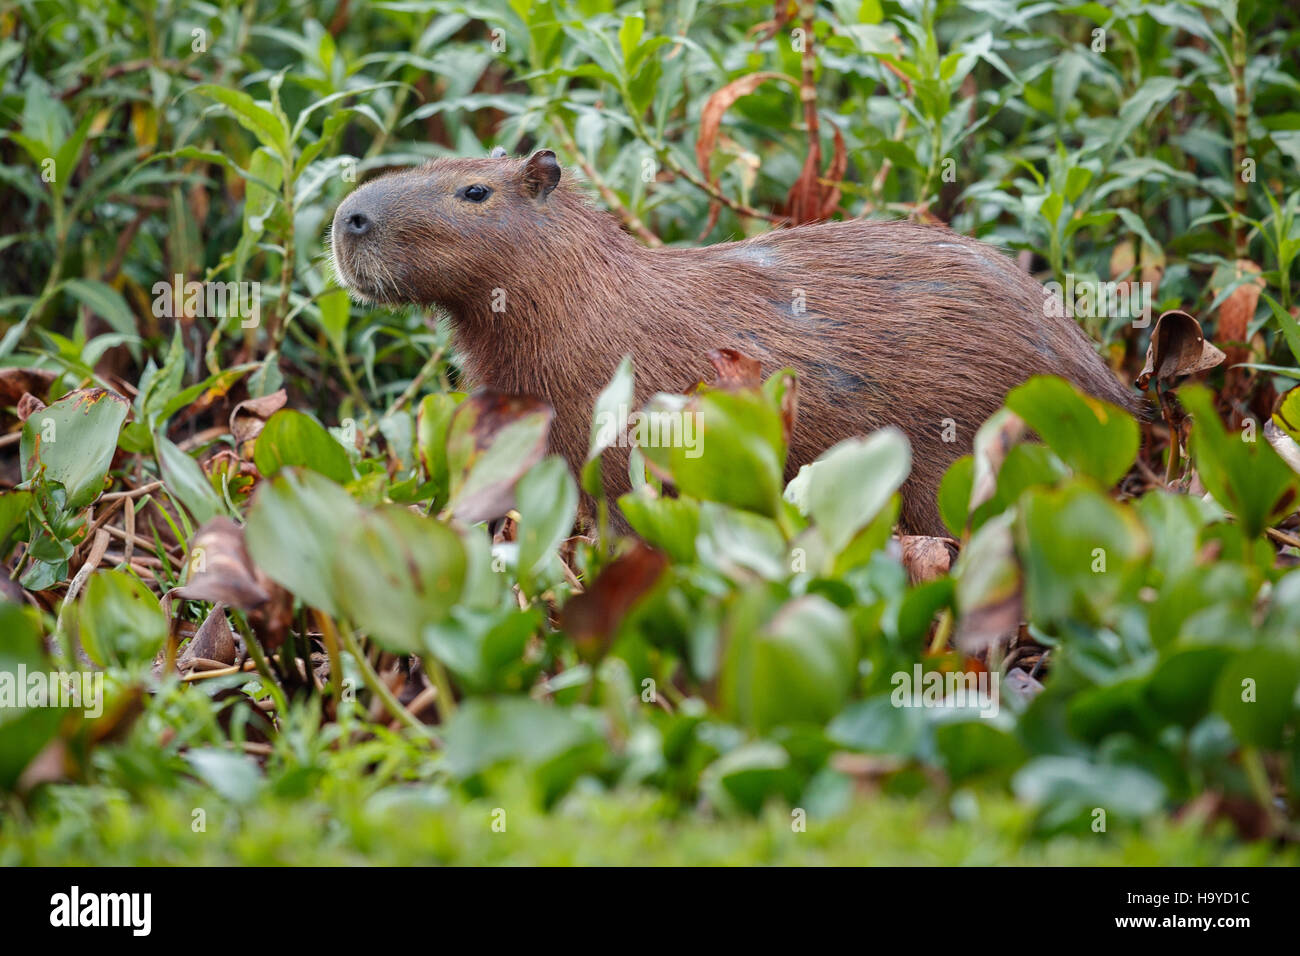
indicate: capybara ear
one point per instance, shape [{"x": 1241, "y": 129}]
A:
[
  {"x": 498, "y": 152},
  {"x": 542, "y": 173}
]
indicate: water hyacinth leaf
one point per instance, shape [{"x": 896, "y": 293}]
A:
[
  {"x": 431, "y": 424},
  {"x": 1068, "y": 788},
  {"x": 547, "y": 504},
  {"x": 994, "y": 440},
  {"x": 955, "y": 494},
  {"x": 1255, "y": 694},
  {"x": 989, "y": 586},
  {"x": 492, "y": 440},
  {"x": 14, "y": 506},
  {"x": 844, "y": 489},
  {"x": 120, "y": 620},
  {"x": 877, "y": 726},
  {"x": 72, "y": 442},
  {"x": 234, "y": 776},
  {"x": 292, "y": 438},
  {"x": 24, "y": 731},
  {"x": 396, "y": 572},
  {"x": 1181, "y": 688},
  {"x": 670, "y": 524},
  {"x": 747, "y": 777},
  {"x": 721, "y": 446},
  {"x": 1090, "y": 435},
  {"x": 973, "y": 747},
  {"x": 293, "y": 532},
  {"x": 1245, "y": 477},
  {"x": 1081, "y": 553},
  {"x": 786, "y": 664},
  {"x": 488, "y": 731},
  {"x": 612, "y": 409}
]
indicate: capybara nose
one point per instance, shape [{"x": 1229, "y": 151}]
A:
[{"x": 357, "y": 224}]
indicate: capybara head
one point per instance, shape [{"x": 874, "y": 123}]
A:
[{"x": 438, "y": 233}]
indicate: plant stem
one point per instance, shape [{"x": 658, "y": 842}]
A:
[{"x": 377, "y": 686}]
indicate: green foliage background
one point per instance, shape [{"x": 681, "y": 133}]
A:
[{"x": 213, "y": 141}]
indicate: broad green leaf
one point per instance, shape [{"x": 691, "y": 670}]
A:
[
  {"x": 790, "y": 664},
  {"x": 72, "y": 442},
  {"x": 120, "y": 621},
  {"x": 1082, "y": 554},
  {"x": 431, "y": 425},
  {"x": 24, "y": 731},
  {"x": 292, "y": 438},
  {"x": 395, "y": 573},
  {"x": 1092, "y": 436},
  {"x": 670, "y": 524},
  {"x": 849, "y": 485},
  {"x": 488, "y": 731},
  {"x": 547, "y": 504},
  {"x": 720, "y": 446},
  {"x": 1255, "y": 694},
  {"x": 294, "y": 530},
  {"x": 1245, "y": 477}
]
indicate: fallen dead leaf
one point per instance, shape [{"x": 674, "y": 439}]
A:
[{"x": 1178, "y": 347}]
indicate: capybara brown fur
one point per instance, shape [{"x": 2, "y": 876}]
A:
[{"x": 885, "y": 322}]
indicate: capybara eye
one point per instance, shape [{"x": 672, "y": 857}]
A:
[{"x": 475, "y": 193}]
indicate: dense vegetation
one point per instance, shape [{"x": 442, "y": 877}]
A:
[{"x": 267, "y": 525}]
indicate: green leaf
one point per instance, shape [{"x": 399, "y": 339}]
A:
[
  {"x": 1070, "y": 788},
  {"x": 1245, "y": 477},
  {"x": 397, "y": 572},
  {"x": 1092, "y": 436},
  {"x": 493, "y": 439},
  {"x": 14, "y": 506},
  {"x": 292, "y": 438},
  {"x": 24, "y": 731},
  {"x": 1255, "y": 694},
  {"x": 72, "y": 442},
  {"x": 547, "y": 504},
  {"x": 106, "y": 302},
  {"x": 293, "y": 532},
  {"x": 612, "y": 409},
  {"x": 432, "y": 421},
  {"x": 270, "y": 130},
  {"x": 721, "y": 446},
  {"x": 851, "y": 483},
  {"x": 185, "y": 479},
  {"x": 488, "y": 731},
  {"x": 335, "y": 307},
  {"x": 670, "y": 524},
  {"x": 1082, "y": 553},
  {"x": 233, "y": 775},
  {"x": 954, "y": 494},
  {"x": 791, "y": 664},
  {"x": 120, "y": 620}
]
